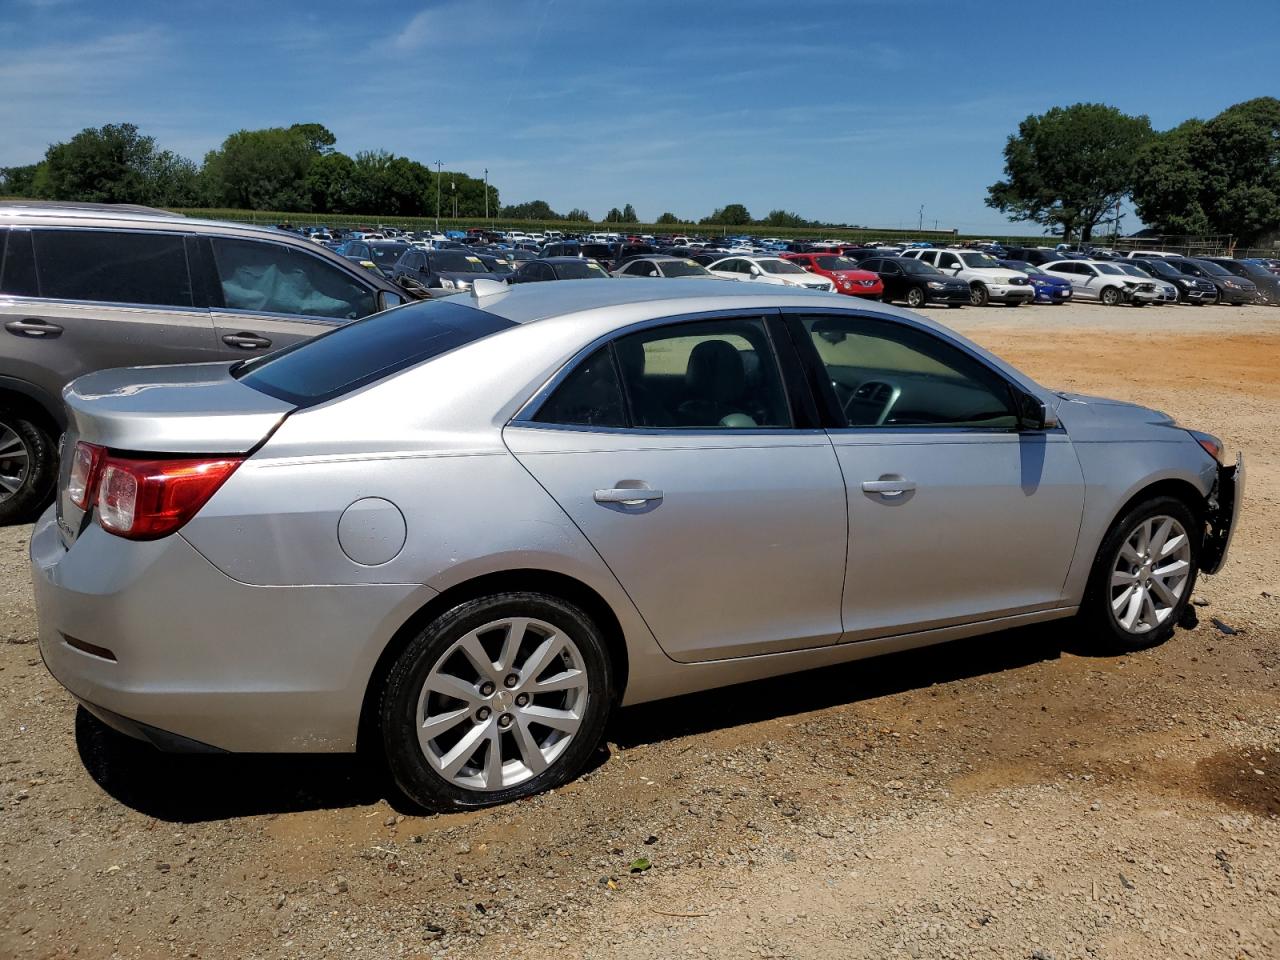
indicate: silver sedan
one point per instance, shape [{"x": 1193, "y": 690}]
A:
[{"x": 465, "y": 531}]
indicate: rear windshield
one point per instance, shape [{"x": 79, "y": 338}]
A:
[
  {"x": 579, "y": 270},
  {"x": 360, "y": 353}
]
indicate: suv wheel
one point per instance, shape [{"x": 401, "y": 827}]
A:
[
  {"x": 1143, "y": 576},
  {"x": 27, "y": 466},
  {"x": 497, "y": 699},
  {"x": 979, "y": 295}
]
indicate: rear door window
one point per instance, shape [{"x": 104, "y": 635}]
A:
[
  {"x": 17, "y": 264},
  {"x": 272, "y": 278},
  {"x": 112, "y": 266}
]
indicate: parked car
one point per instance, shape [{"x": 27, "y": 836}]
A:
[
  {"x": 1232, "y": 290},
  {"x": 559, "y": 268},
  {"x": 916, "y": 283},
  {"x": 1163, "y": 291},
  {"x": 659, "y": 265},
  {"x": 1104, "y": 282},
  {"x": 1038, "y": 256},
  {"x": 1190, "y": 289},
  {"x": 467, "y": 530},
  {"x": 1047, "y": 288},
  {"x": 381, "y": 253},
  {"x": 1266, "y": 282},
  {"x": 773, "y": 270},
  {"x": 88, "y": 286},
  {"x": 849, "y": 278},
  {"x": 442, "y": 273},
  {"x": 988, "y": 281}
]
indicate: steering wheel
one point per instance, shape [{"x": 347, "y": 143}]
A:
[{"x": 872, "y": 392}]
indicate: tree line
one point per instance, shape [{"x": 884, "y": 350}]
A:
[{"x": 1069, "y": 168}]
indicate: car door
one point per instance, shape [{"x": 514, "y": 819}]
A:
[
  {"x": 267, "y": 295},
  {"x": 80, "y": 299},
  {"x": 722, "y": 518},
  {"x": 893, "y": 278},
  {"x": 955, "y": 514}
]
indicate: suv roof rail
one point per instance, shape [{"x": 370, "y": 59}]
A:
[{"x": 71, "y": 208}]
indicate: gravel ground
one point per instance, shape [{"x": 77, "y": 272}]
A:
[{"x": 1006, "y": 796}]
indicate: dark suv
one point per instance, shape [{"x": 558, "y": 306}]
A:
[{"x": 84, "y": 287}]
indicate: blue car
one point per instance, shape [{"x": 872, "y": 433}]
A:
[{"x": 1048, "y": 289}]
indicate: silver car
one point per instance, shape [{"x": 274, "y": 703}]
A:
[{"x": 463, "y": 531}]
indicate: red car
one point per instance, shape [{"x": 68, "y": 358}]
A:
[{"x": 848, "y": 277}]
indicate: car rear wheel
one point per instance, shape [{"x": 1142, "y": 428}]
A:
[
  {"x": 1110, "y": 297},
  {"x": 499, "y": 698},
  {"x": 979, "y": 295},
  {"x": 1143, "y": 576},
  {"x": 27, "y": 466},
  {"x": 916, "y": 297}
]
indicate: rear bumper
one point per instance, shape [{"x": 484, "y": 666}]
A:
[
  {"x": 1224, "y": 515},
  {"x": 160, "y": 644}
]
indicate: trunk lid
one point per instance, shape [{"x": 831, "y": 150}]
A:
[{"x": 169, "y": 410}]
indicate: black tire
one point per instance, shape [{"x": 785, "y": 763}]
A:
[
  {"x": 917, "y": 298},
  {"x": 33, "y": 461},
  {"x": 1110, "y": 297},
  {"x": 398, "y": 704},
  {"x": 954, "y": 306},
  {"x": 1015, "y": 303},
  {"x": 1104, "y": 630},
  {"x": 1139, "y": 303},
  {"x": 979, "y": 295}
]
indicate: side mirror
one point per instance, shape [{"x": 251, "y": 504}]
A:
[
  {"x": 1034, "y": 414},
  {"x": 387, "y": 300}
]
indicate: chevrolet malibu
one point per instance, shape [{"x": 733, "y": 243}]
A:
[{"x": 462, "y": 532}]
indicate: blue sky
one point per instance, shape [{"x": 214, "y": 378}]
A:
[{"x": 849, "y": 111}]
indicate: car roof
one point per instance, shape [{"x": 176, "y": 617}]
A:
[{"x": 68, "y": 208}]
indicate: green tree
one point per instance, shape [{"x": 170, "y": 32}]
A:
[
  {"x": 733, "y": 215},
  {"x": 530, "y": 210},
  {"x": 385, "y": 184},
  {"x": 107, "y": 164},
  {"x": 171, "y": 180},
  {"x": 1215, "y": 176},
  {"x": 613, "y": 216},
  {"x": 331, "y": 183},
  {"x": 669, "y": 218},
  {"x": 578, "y": 215},
  {"x": 629, "y": 214},
  {"x": 21, "y": 181},
  {"x": 261, "y": 170},
  {"x": 1065, "y": 169},
  {"x": 317, "y": 135},
  {"x": 784, "y": 218}
]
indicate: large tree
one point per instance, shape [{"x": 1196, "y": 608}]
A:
[
  {"x": 1067, "y": 168},
  {"x": 22, "y": 181},
  {"x": 733, "y": 215},
  {"x": 530, "y": 210},
  {"x": 784, "y": 218},
  {"x": 261, "y": 170},
  {"x": 106, "y": 164},
  {"x": 1215, "y": 176},
  {"x": 669, "y": 218}
]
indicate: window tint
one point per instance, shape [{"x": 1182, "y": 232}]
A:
[
  {"x": 589, "y": 397},
  {"x": 713, "y": 374},
  {"x": 112, "y": 266},
  {"x": 356, "y": 354},
  {"x": 945, "y": 260},
  {"x": 273, "y": 278},
  {"x": 17, "y": 264},
  {"x": 894, "y": 376}
]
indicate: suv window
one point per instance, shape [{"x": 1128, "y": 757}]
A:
[
  {"x": 893, "y": 376},
  {"x": 273, "y": 278},
  {"x": 112, "y": 266},
  {"x": 17, "y": 264},
  {"x": 945, "y": 260}
]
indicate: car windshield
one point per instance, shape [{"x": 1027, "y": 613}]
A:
[
  {"x": 980, "y": 260},
  {"x": 1162, "y": 269},
  {"x": 359, "y": 353},
  {"x": 835, "y": 263},
  {"x": 1134, "y": 270},
  {"x": 447, "y": 261},
  {"x": 1213, "y": 268},
  {"x": 778, "y": 266},
  {"x": 385, "y": 254},
  {"x": 1110, "y": 268},
  {"x": 910, "y": 265},
  {"x": 579, "y": 270},
  {"x": 500, "y": 267},
  {"x": 682, "y": 268}
]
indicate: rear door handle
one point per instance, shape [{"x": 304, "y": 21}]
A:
[
  {"x": 246, "y": 341},
  {"x": 888, "y": 488},
  {"x": 629, "y": 496},
  {"x": 39, "y": 329}
]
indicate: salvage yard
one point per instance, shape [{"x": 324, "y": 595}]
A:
[{"x": 1007, "y": 796}]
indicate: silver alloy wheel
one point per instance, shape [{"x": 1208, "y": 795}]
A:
[
  {"x": 15, "y": 460},
  {"x": 502, "y": 704},
  {"x": 915, "y": 297},
  {"x": 1150, "y": 574}
]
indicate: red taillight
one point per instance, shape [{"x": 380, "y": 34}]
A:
[
  {"x": 149, "y": 499},
  {"x": 85, "y": 461}
]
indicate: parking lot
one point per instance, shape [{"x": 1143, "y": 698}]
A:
[{"x": 1004, "y": 796}]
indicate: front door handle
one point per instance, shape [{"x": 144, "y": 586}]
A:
[
  {"x": 246, "y": 341},
  {"x": 629, "y": 496},
  {"x": 40, "y": 329},
  {"x": 888, "y": 487}
]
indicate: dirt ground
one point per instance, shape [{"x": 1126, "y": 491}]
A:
[{"x": 1006, "y": 796}]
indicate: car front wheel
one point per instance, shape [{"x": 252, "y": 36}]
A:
[
  {"x": 916, "y": 297},
  {"x": 979, "y": 295},
  {"x": 28, "y": 462},
  {"x": 1143, "y": 576},
  {"x": 497, "y": 699},
  {"x": 1110, "y": 297}
]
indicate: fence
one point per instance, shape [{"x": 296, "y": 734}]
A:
[{"x": 1215, "y": 245}]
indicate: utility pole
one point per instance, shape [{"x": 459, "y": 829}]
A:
[
  {"x": 453, "y": 189},
  {"x": 437, "y": 196},
  {"x": 920, "y": 224},
  {"x": 486, "y": 196}
]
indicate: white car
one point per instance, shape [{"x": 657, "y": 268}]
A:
[
  {"x": 773, "y": 270},
  {"x": 1102, "y": 281},
  {"x": 988, "y": 281},
  {"x": 1165, "y": 292}
]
